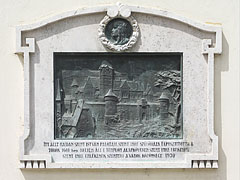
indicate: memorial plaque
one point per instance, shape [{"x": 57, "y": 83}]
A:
[{"x": 118, "y": 87}]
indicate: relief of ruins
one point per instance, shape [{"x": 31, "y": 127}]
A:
[{"x": 117, "y": 96}]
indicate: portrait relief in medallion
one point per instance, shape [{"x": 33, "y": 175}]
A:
[{"x": 118, "y": 31}]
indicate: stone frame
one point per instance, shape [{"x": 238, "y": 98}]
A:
[{"x": 195, "y": 160}]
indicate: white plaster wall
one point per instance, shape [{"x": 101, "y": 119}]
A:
[{"x": 17, "y": 12}]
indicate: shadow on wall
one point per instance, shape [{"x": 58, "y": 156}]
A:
[{"x": 221, "y": 65}]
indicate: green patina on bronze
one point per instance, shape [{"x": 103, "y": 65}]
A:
[
  {"x": 118, "y": 95},
  {"x": 118, "y": 31}
]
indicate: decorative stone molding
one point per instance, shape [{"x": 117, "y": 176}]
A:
[
  {"x": 33, "y": 155},
  {"x": 119, "y": 10},
  {"x": 205, "y": 164},
  {"x": 32, "y": 164}
]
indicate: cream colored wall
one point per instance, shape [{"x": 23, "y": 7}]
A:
[{"x": 226, "y": 12}]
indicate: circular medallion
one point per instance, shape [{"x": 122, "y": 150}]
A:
[{"x": 118, "y": 34}]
